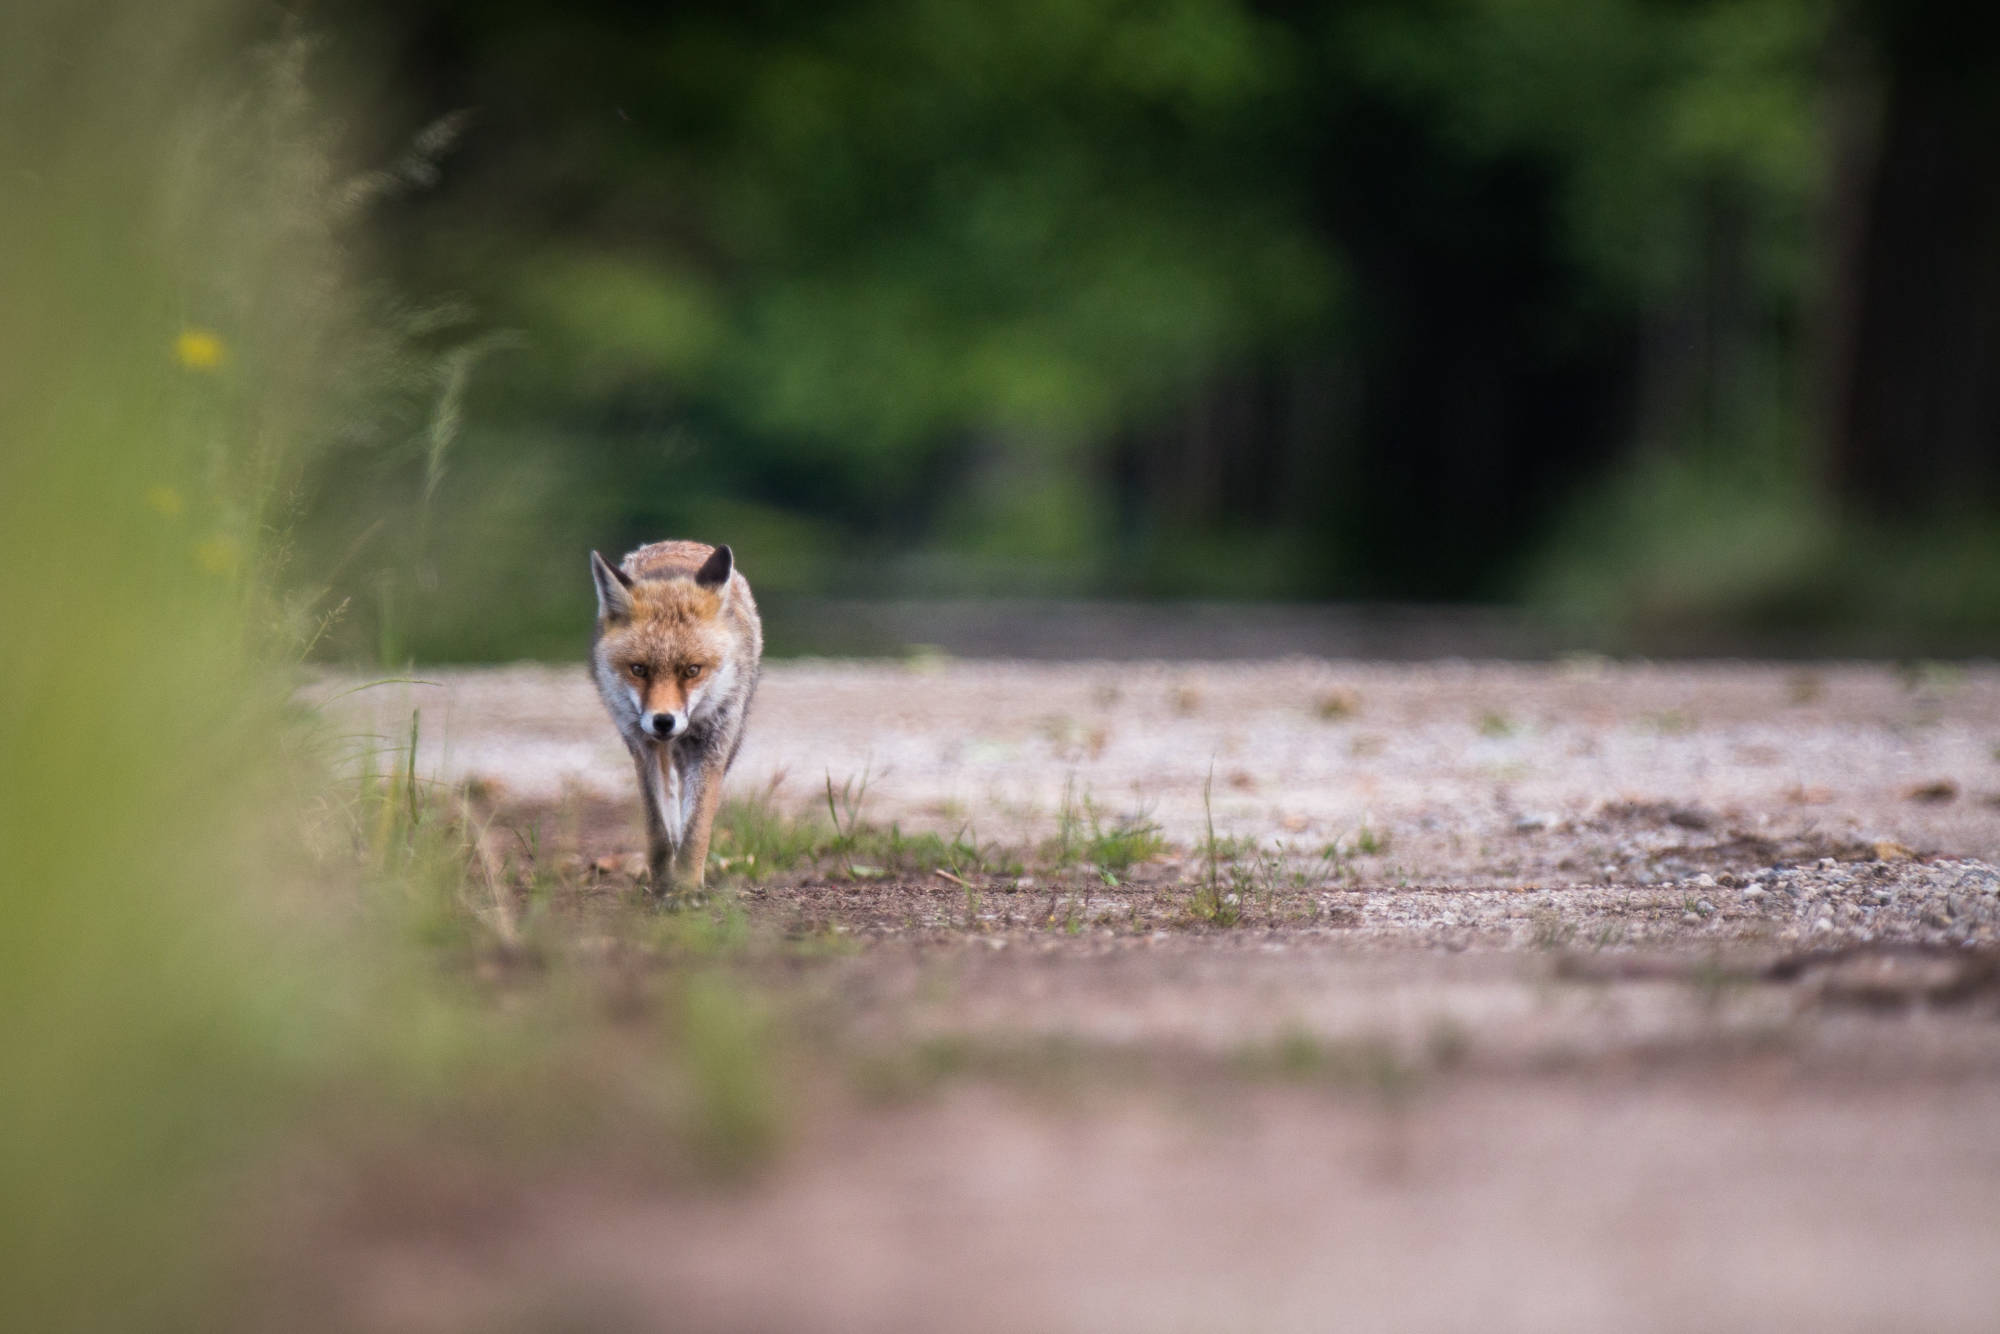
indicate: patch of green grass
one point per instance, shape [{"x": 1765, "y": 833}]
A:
[
  {"x": 1298, "y": 1055},
  {"x": 1215, "y": 905},
  {"x": 1212, "y": 901},
  {"x": 1259, "y": 878},
  {"x": 1124, "y": 844},
  {"x": 754, "y": 838},
  {"x": 1226, "y": 847},
  {"x": 869, "y": 851},
  {"x": 1052, "y": 1064},
  {"x": 1369, "y": 841},
  {"x": 431, "y": 856},
  {"x": 1084, "y": 837},
  {"x": 876, "y": 852},
  {"x": 440, "y": 863},
  {"x": 716, "y": 928},
  {"x": 723, "y": 1040},
  {"x": 971, "y": 907},
  {"x": 1495, "y": 725},
  {"x": 423, "y": 852}
]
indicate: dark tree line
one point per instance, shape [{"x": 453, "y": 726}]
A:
[
  {"x": 1915, "y": 426},
  {"x": 1348, "y": 298}
]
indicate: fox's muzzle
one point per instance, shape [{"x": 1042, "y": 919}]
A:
[{"x": 666, "y": 725}]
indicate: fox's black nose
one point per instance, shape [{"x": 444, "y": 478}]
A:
[{"x": 661, "y": 724}]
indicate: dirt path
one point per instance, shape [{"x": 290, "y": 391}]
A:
[
  {"x": 1296, "y": 749},
  {"x": 1567, "y": 998}
]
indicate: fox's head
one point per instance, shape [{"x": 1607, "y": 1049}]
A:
[{"x": 664, "y": 644}]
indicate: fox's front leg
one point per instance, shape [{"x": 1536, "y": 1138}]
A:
[
  {"x": 653, "y": 798},
  {"x": 692, "y": 867}
]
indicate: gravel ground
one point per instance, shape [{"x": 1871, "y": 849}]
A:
[
  {"x": 1565, "y": 997},
  {"x": 1601, "y": 803},
  {"x": 1295, "y": 748}
]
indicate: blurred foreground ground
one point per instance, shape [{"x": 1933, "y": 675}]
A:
[{"x": 1567, "y": 997}]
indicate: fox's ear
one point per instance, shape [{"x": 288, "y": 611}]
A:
[
  {"x": 614, "y": 588},
  {"x": 715, "y": 571}
]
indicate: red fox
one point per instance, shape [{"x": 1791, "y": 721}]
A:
[{"x": 676, "y": 656}]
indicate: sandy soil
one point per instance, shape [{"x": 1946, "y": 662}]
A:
[
  {"x": 1296, "y": 749},
  {"x": 1636, "y": 997}
]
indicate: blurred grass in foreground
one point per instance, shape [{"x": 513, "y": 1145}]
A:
[
  {"x": 200, "y": 923},
  {"x": 156, "y": 375}
]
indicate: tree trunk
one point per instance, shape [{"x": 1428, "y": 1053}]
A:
[{"x": 1916, "y": 419}]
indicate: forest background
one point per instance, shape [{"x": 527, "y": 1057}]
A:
[{"x": 1660, "y": 319}]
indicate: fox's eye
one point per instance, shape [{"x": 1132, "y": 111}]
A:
[
  {"x": 691, "y": 671},
  {"x": 640, "y": 670}
]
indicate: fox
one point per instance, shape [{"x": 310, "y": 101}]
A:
[{"x": 676, "y": 656}]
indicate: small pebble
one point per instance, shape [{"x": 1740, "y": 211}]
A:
[
  {"x": 1691, "y": 918},
  {"x": 1705, "y": 881},
  {"x": 1756, "y": 892},
  {"x": 1823, "y": 924}
]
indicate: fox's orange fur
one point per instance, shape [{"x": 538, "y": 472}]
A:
[{"x": 676, "y": 657}]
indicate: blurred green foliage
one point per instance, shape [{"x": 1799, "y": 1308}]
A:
[
  {"x": 903, "y": 297},
  {"x": 145, "y": 1019},
  {"x": 1376, "y": 299},
  {"x": 202, "y": 923}
]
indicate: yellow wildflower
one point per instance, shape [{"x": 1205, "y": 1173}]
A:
[
  {"x": 165, "y": 500},
  {"x": 219, "y": 555},
  {"x": 199, "y": 349}
]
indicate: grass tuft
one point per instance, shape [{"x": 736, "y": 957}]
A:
[
  {"x": 1213, "y": 902},
  {"x": 1084, "y": 838},
  {"x": 754, "y": 838}
]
